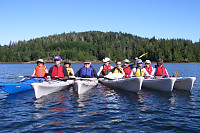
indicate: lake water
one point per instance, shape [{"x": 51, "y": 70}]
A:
[{"x": 101, "y": 109}]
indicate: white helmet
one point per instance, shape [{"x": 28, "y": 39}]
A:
[
  {"x": 148, "y": 61},
  {"x": 106, "y": 59},
  {"x": 126, "y": 61}
]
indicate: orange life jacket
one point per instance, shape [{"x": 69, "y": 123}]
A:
[{"x": 40, "y": 72}]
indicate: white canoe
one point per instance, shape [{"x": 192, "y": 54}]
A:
[
  {"x": 129, "y": 84},
  {"x": 162, "y": 84},
  {"x": 184, "y": 83},
  {"x": 84, "y": 84},
  {"x": 46, "y": 88}
]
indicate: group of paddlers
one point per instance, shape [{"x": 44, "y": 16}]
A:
[{"x": 65, "y": 71}]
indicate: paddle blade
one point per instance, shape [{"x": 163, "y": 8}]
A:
[
  {"x": 142, "y": 55},
  {"x": 114, "y": 76},
  {"x": 175, "y": 75}
]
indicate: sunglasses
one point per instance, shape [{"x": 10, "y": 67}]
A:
[
  {"x": 86, "y": 63},
  {"x": 118, "y": 64},
  {"x": 56, "y": 60}
]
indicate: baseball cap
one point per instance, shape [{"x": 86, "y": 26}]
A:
[{"x": 57, "y": 58}]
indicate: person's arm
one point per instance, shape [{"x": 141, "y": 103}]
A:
[
  {"x": 111, "y": 71},
  {"x": 100, "y": 69},
  {"x": 46, "y": 70},
  {"x": 133, "y": 72},
  {"x": 153, "y": 72},
  {"x": 94, "y": 73},
  {"x": 50, "y": 71},
  {"x": 123, "y": 72},
  {"x": 33, "y": 74},
  {"x": 72, "y": 71},
  {"x": 135, "y": 63},
  {"x": 166, "y": 72},
  {"x": 65, "y": 72},
  {"x": 78, "y": 73}
]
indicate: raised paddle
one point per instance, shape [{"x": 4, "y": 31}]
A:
[
  {"x": 175, "y": 75},
  {"x": 142, "y": 55}
]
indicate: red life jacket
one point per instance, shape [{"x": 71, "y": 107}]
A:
[
  {"x": 160, "y": 71},
  {"x": 149, "y": 69},
  {"x": 57, "y": 71},
  {"x": 127, "y": 71},
  {"x": 40, "y": 72},
  {"x": 106, "y": 69}
]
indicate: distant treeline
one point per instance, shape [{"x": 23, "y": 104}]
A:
[{"x": 95, "y": 45}]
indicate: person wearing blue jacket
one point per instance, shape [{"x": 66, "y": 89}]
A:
[{"x": 87, "y": 71}]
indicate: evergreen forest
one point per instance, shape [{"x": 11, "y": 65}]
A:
[{"x": 96, "y": 45}]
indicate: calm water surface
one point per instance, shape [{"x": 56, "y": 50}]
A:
[{"x": 101, "y": 109}]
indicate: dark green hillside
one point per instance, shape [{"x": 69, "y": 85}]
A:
[{"x": 95, "y": 45}]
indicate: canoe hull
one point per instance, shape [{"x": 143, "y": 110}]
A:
[
  {"x": 162, "y": 84},
  {"x": 46, "y": 88},
  {"x": 19, "y": 87},
  {"x": 129, "y": 84},
  {"x": 185, "y": 83},
  {"x": 82, "y": 86}
]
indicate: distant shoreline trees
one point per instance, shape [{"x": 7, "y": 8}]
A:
[{"x": 96, "y": 45}]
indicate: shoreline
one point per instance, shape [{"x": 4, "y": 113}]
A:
[{"x": 91, "y": 61}]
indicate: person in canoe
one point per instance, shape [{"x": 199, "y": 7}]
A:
[
  {"x": 69, "y": 69},
  {"x": 135, "y": 63},
  {"x": 105, "y": 68},
  {"x": 139, "y": 71},
  {"x": 87, "y": 71},
  {"x": 148, "y": 68},
  {"x": 159, "y": 69},
  {"x": 40, "y": 69},
  {"x": 58, "y": 71},
  {"x": 118, "y": 68},
  {"x": 127, "y": 68}
]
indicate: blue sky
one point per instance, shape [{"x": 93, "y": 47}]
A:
[{"x": 28, "y": 19}]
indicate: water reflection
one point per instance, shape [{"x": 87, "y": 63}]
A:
[{"x": 52, "y": 104}]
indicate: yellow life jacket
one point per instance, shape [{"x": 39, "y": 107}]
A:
[
  {"x": 117, "y": 70},
  {"x": 139, "y": 72},
  {"x": 69, "y": 71}
]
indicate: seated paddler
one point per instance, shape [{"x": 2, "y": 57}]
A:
[
  {"x": 139, "y": 71},
  {"x": 40, "y": 69},
  {"x": 160, "y": 70},
  {"x": 127, "y": 68},
  {"x": 105, "y": 68},
  {"x": 87, "y": 71},
  {"x": 58, "y": 71},
  {"x": 118, "y": 68}
]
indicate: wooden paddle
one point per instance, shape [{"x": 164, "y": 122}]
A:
[{"x": 175, "y": 75}]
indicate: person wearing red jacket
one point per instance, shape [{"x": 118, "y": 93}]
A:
[
  {"x": 148, "y": 67},
  {"x": 105, "y": 68},
  {"x": 58, "y": 71},
  {"x": 127, "y": 68},
  {"x": 160, "y": 70}
]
